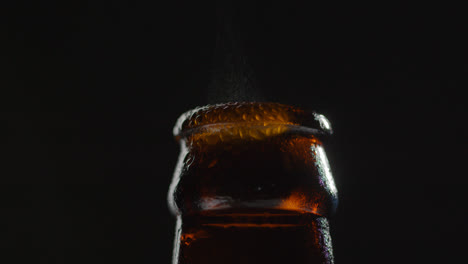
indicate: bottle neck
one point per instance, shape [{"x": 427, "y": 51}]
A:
[
  {"x": 252, "y": 185},
  {"x": 265, "y": 238}
]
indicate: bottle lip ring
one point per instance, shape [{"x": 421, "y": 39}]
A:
[{"x": 252, "y": 114}]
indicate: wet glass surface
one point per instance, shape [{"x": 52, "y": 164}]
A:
[{"x": 252, "y": 176}]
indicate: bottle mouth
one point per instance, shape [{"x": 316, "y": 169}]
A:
[{"x": 249, "y": 120}]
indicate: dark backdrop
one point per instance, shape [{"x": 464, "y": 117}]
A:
[{"x": 94, "y": 88}]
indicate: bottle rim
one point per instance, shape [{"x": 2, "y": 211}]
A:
[{"x": 254, "y": 115}]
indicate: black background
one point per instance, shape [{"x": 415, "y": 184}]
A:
[{"x": 94, "y": 88}]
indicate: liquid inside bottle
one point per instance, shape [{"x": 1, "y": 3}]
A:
[{"x": 273, "y": 236}]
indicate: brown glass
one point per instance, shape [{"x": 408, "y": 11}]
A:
[{"x": 252, "y": 185}]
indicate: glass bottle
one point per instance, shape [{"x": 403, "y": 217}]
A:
[{"x": 252, "y": 185}]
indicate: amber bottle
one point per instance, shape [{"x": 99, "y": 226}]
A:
[{"x": 252, "y": 185}]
